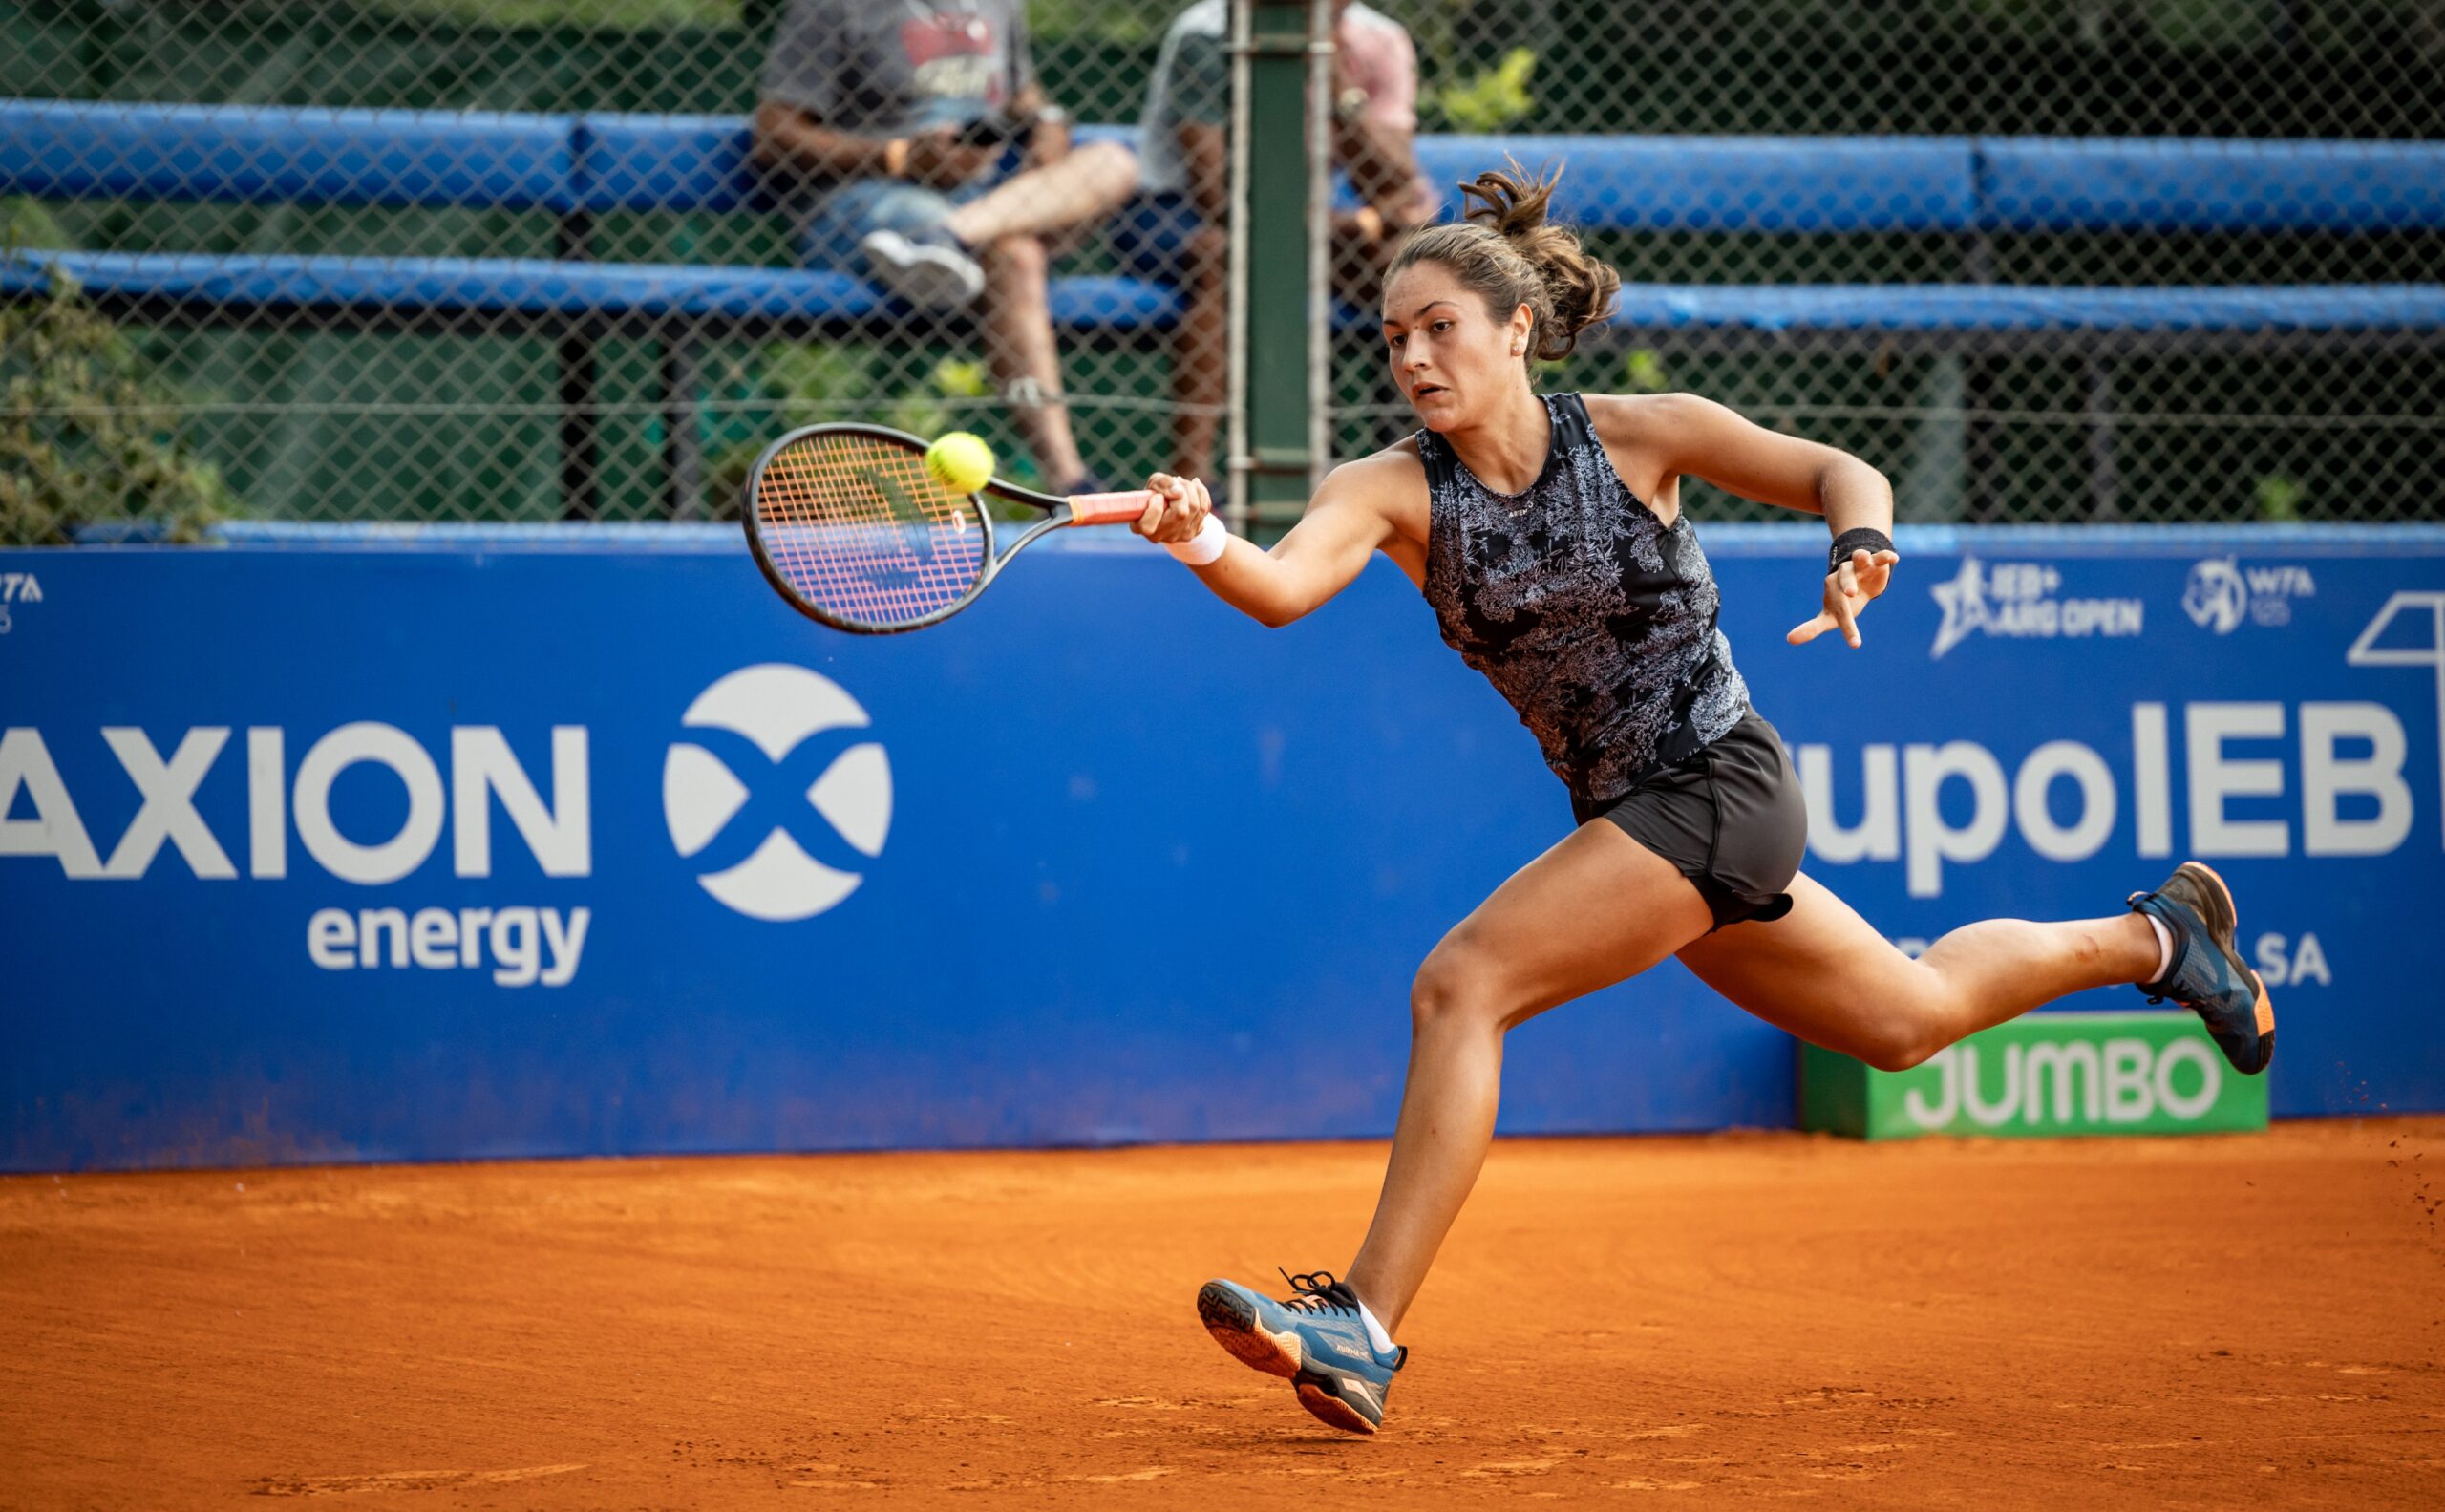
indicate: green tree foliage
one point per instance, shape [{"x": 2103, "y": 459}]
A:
[
  {"x": 1492, "y": 99},
  {"x": 2279, "y": 499},
  {"x": 87, "y": 434}
]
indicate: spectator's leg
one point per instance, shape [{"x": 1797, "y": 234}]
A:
[
  {"x": 888, "y": 231},
  {"x": 1080, "y": 189},
  {"x": 1019, "y": 351},
  {"x": 1199, "y": 379},
  {"x": 1360, "y": 256}
]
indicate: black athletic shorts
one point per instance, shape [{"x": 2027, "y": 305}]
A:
[{"x": 1730, "y": 817}]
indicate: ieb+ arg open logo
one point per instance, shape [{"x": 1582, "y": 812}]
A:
[{"x": 794, "y": 837}]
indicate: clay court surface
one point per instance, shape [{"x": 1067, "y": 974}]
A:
[{"x": 1675, "y": 1320}]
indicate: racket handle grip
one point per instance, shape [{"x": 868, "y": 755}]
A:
[{"x": 1109, "y": 509}]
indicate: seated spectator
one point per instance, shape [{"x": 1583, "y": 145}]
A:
[
  {"x": 1175, "y": 231},
  {"x": 899, "y": 131}
]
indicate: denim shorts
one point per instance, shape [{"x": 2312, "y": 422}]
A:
[{"x": 829, "y": 236}]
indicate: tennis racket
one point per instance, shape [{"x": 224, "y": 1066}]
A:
[{"x": 851, "y": 530}]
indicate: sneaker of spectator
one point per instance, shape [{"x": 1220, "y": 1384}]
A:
[{"x": 930, "y": 267}]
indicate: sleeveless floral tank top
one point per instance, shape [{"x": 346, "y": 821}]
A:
[{"x": 1596, "y": 622}]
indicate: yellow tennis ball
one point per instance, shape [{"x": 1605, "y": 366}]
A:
[{"x": 960, "y": 461}]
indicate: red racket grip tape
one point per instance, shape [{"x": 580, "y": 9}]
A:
[{"x": 1109, "y": 509}]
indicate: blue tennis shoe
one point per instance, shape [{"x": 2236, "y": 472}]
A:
[
  {"x": 2208, "y": 977},
  {"x": 1316, "y": 1338}
]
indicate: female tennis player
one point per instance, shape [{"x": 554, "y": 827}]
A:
[{"x": 1548, "y": 535}]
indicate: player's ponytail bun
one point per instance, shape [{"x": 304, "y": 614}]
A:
[
  {"x": 1509, "y": 255},
  {"x": 1582, "y": 287}
]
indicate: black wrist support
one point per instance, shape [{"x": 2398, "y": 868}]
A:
[{"x": 1862, "y": 539}]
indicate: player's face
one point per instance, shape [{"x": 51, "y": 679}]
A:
[{"x": 1451, "y": 360}]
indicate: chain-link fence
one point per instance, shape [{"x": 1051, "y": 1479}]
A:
[
  {"x": 1920, "y": 148},
  {"x": 2141, "y": 259}
]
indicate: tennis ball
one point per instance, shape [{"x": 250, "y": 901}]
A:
[{"x": 960, "y": 461}]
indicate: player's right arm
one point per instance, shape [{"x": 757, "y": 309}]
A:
[{"x": 1352, "y": 516}]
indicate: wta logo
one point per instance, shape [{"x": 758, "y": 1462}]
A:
[
  {"x": 780, "y": 796},
  {"x": 2215, "y": 598},
  {"x": 2221, "y": 593}
]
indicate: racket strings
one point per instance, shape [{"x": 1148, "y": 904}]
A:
[{"x": 859, "y": 529}]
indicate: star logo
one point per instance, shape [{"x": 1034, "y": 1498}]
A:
[{"x": 1964, "y": 600}]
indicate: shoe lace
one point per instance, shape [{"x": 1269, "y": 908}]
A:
[{"x": 1317, "y": 1291}]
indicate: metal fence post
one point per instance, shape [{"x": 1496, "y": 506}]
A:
[
  {"x": 2105, "y": 477},
  {"x": 1274, "y": 322},
  {"x": 683, "y": 451},
  {"x": 581, "y": 459}
]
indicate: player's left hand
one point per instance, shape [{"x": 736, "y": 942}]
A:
[
  {"x": 1179, "y": 511},
  {"x": 1848, "y": 589}
]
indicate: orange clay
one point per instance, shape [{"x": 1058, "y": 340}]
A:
[{"x": 1673, "y": 1321}]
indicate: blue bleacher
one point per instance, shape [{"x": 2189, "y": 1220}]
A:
[
  {"x": 1801, "y": 184},
  {"x": 2188, "y": 184},
  {"x": 578, "y": 165},
  {"x": 501, "y": 293},
  {"x": 278, "y": 155},
  {"x": 575, "y": 166}
]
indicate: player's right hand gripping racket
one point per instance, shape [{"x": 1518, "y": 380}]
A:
[{"x": 854, "y": 532}]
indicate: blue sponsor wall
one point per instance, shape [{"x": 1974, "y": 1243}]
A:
[{"x": 347, "y": 847}]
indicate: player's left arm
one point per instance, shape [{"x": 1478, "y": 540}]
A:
[{"x": 1698, "y": 437}]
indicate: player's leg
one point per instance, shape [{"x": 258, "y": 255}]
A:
[
  {"x": 1596, "y": 908},
  {"x": 1821, "y": 972},
  {"x": 1020, "y": 352}
]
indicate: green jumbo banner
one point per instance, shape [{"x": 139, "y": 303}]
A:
[{"x": 2044, "y": 1075}]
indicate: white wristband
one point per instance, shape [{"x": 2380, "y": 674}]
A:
[{"x": 1204, "y": 547}]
